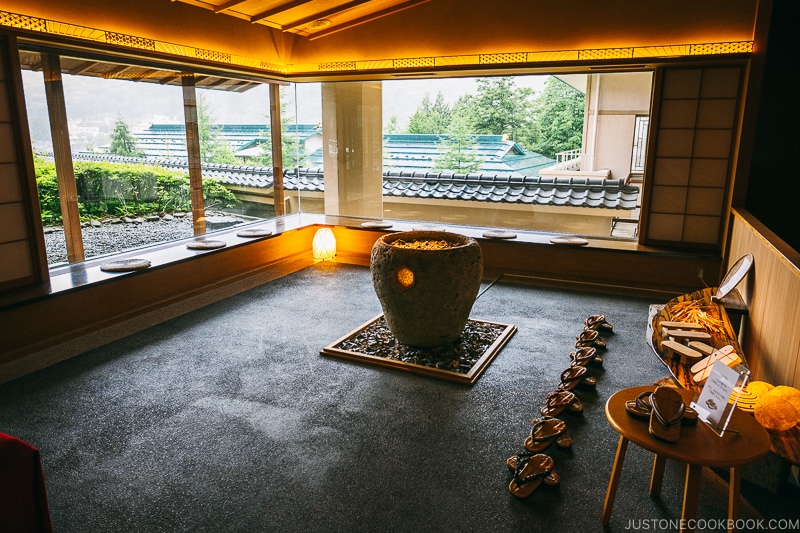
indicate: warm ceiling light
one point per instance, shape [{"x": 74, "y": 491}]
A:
[{"x": 318, "y": 24}]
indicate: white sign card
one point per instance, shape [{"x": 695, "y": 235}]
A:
[{"x": 712, "y": 405}]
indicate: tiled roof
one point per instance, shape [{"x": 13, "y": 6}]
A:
[
  {"x": 402, "y": 151},
  {"x": 482, "y": 187}
]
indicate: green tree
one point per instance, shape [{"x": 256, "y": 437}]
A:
[
  {"x": 213, "y": 147},
  {"x": 122, "y": 142},
  {"x": 459, "y": 147},
  {"x": 430, "y": 117},
  {"x": 500, "y": 108},
  {"x": 291, "y": 149},
  {"x": 558, "y": 119},
  {"x": 391, "y": 126}
]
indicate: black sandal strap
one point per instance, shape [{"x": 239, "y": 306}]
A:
[{"x": 520, "y": 481}]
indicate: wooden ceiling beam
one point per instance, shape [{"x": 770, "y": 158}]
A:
[
  {"x": 323, "y": 14},
  {"x": 367, "y": 18},
  {"x": 228, "y": 5},
  {"x": 83, "y": 66},
  {"x": 280, "y": 9}
]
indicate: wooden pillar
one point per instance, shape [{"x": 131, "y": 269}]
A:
[
  {"x": 277, "y": 148},
  {"x": 62, "y": 153},
  {"x": 193, "y": 153}
]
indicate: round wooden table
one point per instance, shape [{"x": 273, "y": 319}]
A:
[{"x": 744, "y": 442}]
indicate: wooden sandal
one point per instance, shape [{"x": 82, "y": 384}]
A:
[
  {"x": 598, "y": 323},
  {"x": 550, "y": 481},
  {"x": 574, "y": 376},
  {"x": 585, "y": 356},
  {"x": 666, "y": 413},
  {"x": 528, "y": 475},
  {"x": 590, "y": 337},
  {"x": 558, "y": 401},
  {"x": 546, "y": 431},
  {"x": 640, "y": 408}
]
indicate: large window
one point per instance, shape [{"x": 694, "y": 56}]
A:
[
  {"x": 537, "y": 153},
  {"x": 543, "y": 153},
  {"x": 130, "y": 165}
]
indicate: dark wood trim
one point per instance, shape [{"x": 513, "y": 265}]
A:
[{"x": 27, "y": 172}]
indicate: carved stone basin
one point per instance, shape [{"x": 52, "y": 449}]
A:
[{"x": 426, "y": 293}]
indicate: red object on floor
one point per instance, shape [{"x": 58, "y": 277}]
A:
[{"x": 23, "y": 496}]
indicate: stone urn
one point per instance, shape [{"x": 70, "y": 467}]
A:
[{"x": 426, "y": 293}]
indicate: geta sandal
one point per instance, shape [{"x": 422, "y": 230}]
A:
[
  {"x": 585, "y": 356},
  {"x": 590, "y": 337},
  {"x": 550, "y": 481},
  {"x": 558, "y": 401},
  {"x": 574, "y": 376},
  {"x": 666, "y": 413},
  {"x": 528, "y": 475},
  {"x": 640, "y": 408},
  {"x": 599, "y": 323},
  {"x": 546, "y": 431}
]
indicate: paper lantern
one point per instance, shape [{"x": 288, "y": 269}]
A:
[{"x": 324, "y": 244}]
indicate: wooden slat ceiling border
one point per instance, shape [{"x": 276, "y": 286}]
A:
[
  {"x": 31, "y": 60},
  {"x": 310, "y": 18}
]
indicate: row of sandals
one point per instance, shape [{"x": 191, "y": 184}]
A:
[{"x": 532, "y": 468}]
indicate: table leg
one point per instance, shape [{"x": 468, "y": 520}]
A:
[
  {"x": 734, "y": 489},
  {"x": 616, "y": 470},
  {"x": 658, "y": 475},
  {"x": 691, "y": 496}
]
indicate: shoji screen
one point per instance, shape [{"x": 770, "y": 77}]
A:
[
  {"x": 20, "y": 251},
  {"x": 694, "y": 144}
]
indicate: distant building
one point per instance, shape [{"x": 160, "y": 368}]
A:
[{"x": 402, "y": 152}]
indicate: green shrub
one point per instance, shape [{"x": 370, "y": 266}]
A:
[{"x": 111, "y": 189}]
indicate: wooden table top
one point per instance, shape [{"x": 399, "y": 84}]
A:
[{"x": 744, "y": 441}]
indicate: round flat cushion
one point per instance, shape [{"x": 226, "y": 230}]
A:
[
  {"x": 254, "y": 232},
  {"x": 775, "y": 413},
  {"x": 206, "y": 245},
  {"x": 378, "y": 224},
  {"x": 432, "y": 227},
  {"x": 125, "y": 265},
  {"x": 569, "y": 241},
  {"x": 759, "y": 388},
  {"x": 499, "y": 234}
]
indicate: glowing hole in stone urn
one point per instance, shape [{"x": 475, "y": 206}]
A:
[
  {"x": 427, "y": 282},
  {"x": 405, "y": 278}
]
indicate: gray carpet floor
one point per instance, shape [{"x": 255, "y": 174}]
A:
[{"x": 229, "y": 419}]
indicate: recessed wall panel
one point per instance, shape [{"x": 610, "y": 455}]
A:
[
  {"x": 665, "y": 227},
  {"x": 681, "y": 83},
  {"x": 705, "y": 201},
  {"x": 708, "y": 173},
  {"x": 672, "y": 171},
  {"x": 678, "y": 114},
  {"x": 701, "y": 229},
  {"x": 669, "y": 199},
  {"x": 716, "y": 114},
  {"x": 712, "y": 143},
  {"x": 675, "y": 143},
  {"x": 720, "y": 83},
  {"x": 16, "y": 261},
  {"x": 10, "y": 190}
]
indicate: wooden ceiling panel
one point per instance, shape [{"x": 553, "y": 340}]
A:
[
  {"x": 32, "y": 60},
  {"x": 306, "y": 17}
]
